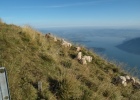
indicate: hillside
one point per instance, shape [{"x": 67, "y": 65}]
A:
[
  {"x": 31, "y": 58},
  {"x": 131, "y": 46}
]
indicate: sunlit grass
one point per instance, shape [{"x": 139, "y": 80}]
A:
[{"x": 29, "y": 57}]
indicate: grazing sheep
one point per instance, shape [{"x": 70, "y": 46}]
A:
[
  {"x": 78, "y": 49},
  {"x": 123, "y": 79},
  {"x": 79, "y": 56},
  {"x": 88, "y": 58},
  {"x": 127, "y": 77},
  {"x": 124, "y": 83},
  {"x": 69, "y": 44},
  {"x": 133, "y": 80},
  {"x": 65, "y": 43},
  {"x": 83, "y": 60},
  {"x": 136, "y": 84},
  {"x": 120, "y": 79}
]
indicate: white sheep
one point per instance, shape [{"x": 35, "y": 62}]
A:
[
  {"x": 63, "y": 41},
  {"x": 83, "y": 60},
  {"x": 69, "y": 44},
  {"x": 121, "y": 79},
  {"x": 137, "y": 84},
  {"x": 133, "y": 80},
  {"x": 78, "y": 49},
  {"x": 66, "y": 44},
  {"x": 79, "y": 56},
  {"x": 88, "y": 58},
  {"x": 124, "y": 83},
  {"x": 127, "y": 77}
]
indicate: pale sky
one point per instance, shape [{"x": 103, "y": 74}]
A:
[{"x": 71, "y": 13}]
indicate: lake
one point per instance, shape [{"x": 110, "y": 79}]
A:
[{"x": 103, "y": 41}]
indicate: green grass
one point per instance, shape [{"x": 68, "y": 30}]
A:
[{"x": 29, "y": 57}]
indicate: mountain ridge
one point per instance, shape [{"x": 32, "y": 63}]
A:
[{"x": 131, "y": 46}]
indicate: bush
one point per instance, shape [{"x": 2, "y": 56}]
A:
[
  {"x": 66, "y": 63},
  {"x": 67, "y": 88}
]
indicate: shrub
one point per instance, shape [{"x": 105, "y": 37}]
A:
[
  {"x": 87, "y": 94},
  {"x": 66, "y": 88},
  {"x": 46, "y": 57},
  {"x": 66, "y": 63}
]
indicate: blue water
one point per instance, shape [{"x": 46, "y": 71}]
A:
[{"x": 105, "y": 40}]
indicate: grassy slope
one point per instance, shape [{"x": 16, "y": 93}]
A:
[{"x": 29, "y": 57}]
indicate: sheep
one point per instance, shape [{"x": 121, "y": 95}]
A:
[
  {"x": 133, "y": 80},
  {"x": 120, "y": 79},
  {"x": 65, "y": 43},
  {"x": 124, "y": 83},
  {"x": 123, "y": 80},
  {"x": 127, "y": 77},
  {"x": 79, "y": 56},
  {"x": 69, "y": 44},
  {"x": 83, "y": 60},
  {"x": 136, "y": 84},
  {"x": 78, "y": 49},
  {"x": 88, "y": 58}
]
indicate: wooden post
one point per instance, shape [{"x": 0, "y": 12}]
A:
[{"x": 39, "y": 86}]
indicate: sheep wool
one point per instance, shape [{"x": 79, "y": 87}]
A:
[
  {"x": 79, "y": 56},
  {"x": 83, "y": 61}
]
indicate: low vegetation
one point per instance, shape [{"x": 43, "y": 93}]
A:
[{"x": 30, "y": 58}]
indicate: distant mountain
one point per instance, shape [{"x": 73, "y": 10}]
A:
[{"x": 131, "y": 46}]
